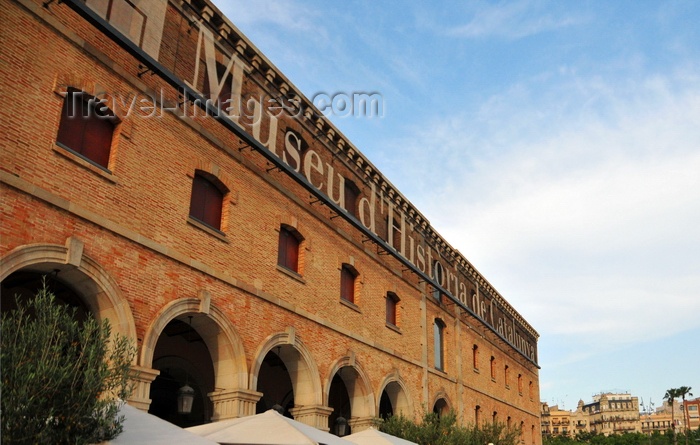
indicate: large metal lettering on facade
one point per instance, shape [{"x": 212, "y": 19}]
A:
[{"x": 213, "y": 77}]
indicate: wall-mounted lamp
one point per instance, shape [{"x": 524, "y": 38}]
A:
[
  {"x": 185, "y": 397},
  {"x": 341, "y": 426}
]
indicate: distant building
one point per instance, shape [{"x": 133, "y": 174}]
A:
[
  {"x": 545, "y": 420},
  {"x": 659, "y": 421},
  {"x": 607, "y": 414},
  {"x": 613, "y": 414},
  {"x": 561, "y": 421},
  {"x": 617, "y": 414},
  {"x": 675, "y": 414},
  {"x": 691, "y": 410},
  {"x": 579, "y": 419}
]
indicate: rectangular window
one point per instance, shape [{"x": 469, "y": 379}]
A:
[
  {"x": 86, "y": 127},
  {"x": 520, "y": 384},
  {"x": 392, "y": 301},
  {"x": 348, "y": 276},
  {"x": 206, "y": 201},
  {"x": 438, "y": 327},
  {"x": 288, "y": 253}
]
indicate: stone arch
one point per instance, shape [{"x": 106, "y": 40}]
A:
[
  {"x": 90, "y": 280},
  {"x": 441, "y": 402},
  {"x": 357, "y": 384},
  {"x": 300, "y": 365},
  {"x": 398, "y": 394},
  {"x": 219, "y": 335}
]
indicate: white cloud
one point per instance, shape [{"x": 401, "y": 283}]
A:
[
  {"x": 581, "y": 204},
  {"x": 512, "y": 20},
  {"x": 286, "y": 14}
]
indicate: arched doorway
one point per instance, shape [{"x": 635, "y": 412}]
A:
[
  {"x": 441, "y": 407},
  {"x": 275, "y": 383},
  {"x": 339, "y": 400},
  {"x": 68, "y": 266},
  {"x": 393, "y": 400},
  {"x": 24, "y": 284},
  {"x": 183, "y": 359},
  {"x": 386, "y": 409}
]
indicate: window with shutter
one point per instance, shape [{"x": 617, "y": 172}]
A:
[
  {"x": 288, "y": 253},
  {"x": 392, "y": 301},
  {"x": 348, "y": 275},
  {"x": 86, "y": 127},
  {"x": 206, "y": 201}
]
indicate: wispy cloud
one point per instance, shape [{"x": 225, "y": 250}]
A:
[
  {"x": 285, "y": 14},
  {"x": 583, "y": 204},
  {"x": 512, "y": 20}
]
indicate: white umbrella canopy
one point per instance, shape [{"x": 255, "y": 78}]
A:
[
  {"x": 268, "y": 428},
  {"x": 143, "y": 428},
  {"x": 372, "y": 436}
]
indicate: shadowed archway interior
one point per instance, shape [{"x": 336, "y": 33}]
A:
[
  {"x": 182, "y": 358},
  {"x": 275, "y": 383}
]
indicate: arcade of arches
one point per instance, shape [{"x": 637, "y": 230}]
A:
[{"x": 191, "y": 342}]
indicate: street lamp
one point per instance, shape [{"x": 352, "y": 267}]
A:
[
  {"x": 648, "y": 410},
  {"x": 341, "y": 425},
  {"x": 185, "y": 397}
]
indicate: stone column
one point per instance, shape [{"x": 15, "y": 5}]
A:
[
  {"x": 142, "y": 378},
  {"x": 358, "y": 424},
  {"x": 314, "y": 415},
  {"x": 232, "y": 403}
]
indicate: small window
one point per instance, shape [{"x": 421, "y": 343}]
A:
[
  {"x": 441, "y": 407},
  {"x": 477, "y": 414},
  {"x": 520, "y": 384},
  {"x": 438, "y": 342},
  {"x": 392, "y": 303},
  {"x": 493, "y": 367},
  {"x": 288, "y": 253},
  {"x": 206, "y": 201},
  {"x": 348, "y": 275},
  {"x": 352, "y": 193},
  {"x": 86, "y": 127},
  {"x": 506, "y": 376},
  {"x": 475, "y": 357}
]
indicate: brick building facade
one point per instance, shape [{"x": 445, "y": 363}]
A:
[{"x": 256, "y": 256}]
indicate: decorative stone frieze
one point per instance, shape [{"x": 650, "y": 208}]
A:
[
  {"x": 314, "y": 415},
  {"x": 232, "y": 403},
  {"x": 142, "y": 378}
]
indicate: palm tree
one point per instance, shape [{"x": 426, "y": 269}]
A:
[
  {"x": 671, "y": 395},
  {"x": 682, "y": 392}
]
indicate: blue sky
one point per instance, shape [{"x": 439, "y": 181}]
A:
[{"x": 555, "y": 144}]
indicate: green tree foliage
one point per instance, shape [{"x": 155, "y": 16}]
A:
[
  {"x": 671, "y": 395},
  {"x": 586, "y": 438},
  {"x": 62, "y": 380},
  {"x": 682, "y": 392},
  {"x": 444, "y": 430}
]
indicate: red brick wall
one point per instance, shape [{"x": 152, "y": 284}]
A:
[{"x": 134, "y": 223}]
